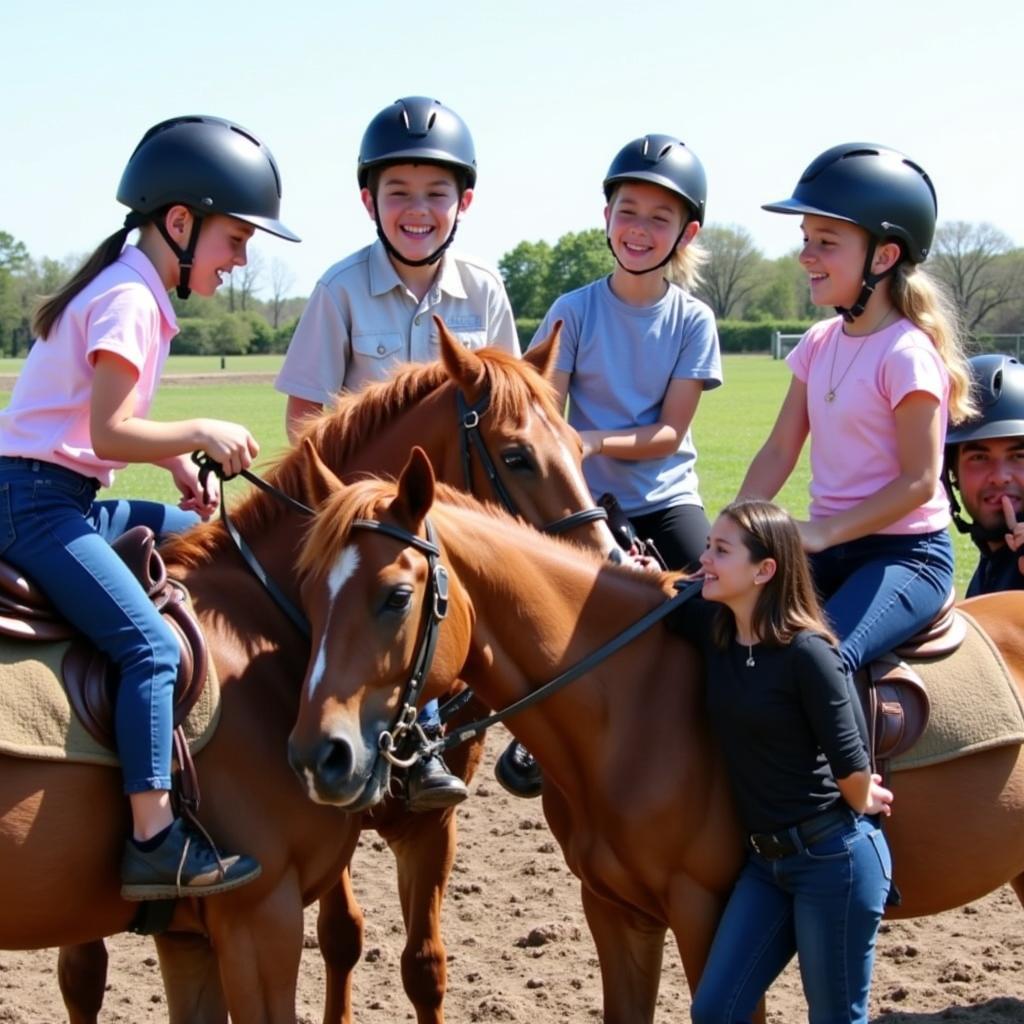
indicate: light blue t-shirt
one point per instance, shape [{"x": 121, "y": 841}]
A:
[{"x": 620, "y": 359}]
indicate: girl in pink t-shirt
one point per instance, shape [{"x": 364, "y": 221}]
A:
[
  {"x": 197, "y": 188},
  {"x": 874, "y": 388}
]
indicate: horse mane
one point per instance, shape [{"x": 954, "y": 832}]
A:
[
  {"x": 357, "y": 417},
  {"x": 331, "y": 528}
]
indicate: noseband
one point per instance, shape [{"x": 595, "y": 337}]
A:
[{"x": 471, "y": 438}]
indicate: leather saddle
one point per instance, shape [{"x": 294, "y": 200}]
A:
[
  {"x": 894, "y": 697},
  {"x": 26, "y": 614}
]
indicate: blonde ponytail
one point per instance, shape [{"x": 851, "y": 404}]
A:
[{"x": 925, "y": 303}]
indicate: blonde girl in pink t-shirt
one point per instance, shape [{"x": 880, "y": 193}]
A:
[
  {"x": 873, "y": 388},
  {"x": 197, "y": 188}
]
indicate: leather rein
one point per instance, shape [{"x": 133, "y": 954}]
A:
[
  {"x": 470, "y": 440},
  {"x": 437, "y": 608}
]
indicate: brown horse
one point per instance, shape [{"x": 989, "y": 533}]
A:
[
  {"x": 61, "y": 825},
  {"x": 635, "y": 790}
]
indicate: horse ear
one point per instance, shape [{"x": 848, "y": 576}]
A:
[
  {"x": 463, "y": 366},
  {"x": 542, "y": 357},
  {"x": 320, "y": 481},
  {"x": 415, "y": 488}
]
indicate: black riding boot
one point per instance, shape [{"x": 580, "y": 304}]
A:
[
  {"x": 430, "y": 785},
  {"x": 517, "y": 770}
]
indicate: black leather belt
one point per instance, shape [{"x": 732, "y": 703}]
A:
[{"x": 774, "y": 845}]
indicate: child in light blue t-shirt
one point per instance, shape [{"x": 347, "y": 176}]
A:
[{"x": 638, "y": 350}]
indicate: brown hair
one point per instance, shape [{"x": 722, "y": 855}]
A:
[
  {"x": 788, "y": 602},
  {"x": 50, "y": 308}
]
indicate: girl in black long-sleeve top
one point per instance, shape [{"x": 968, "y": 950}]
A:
[{"x": 779, "y": 700}]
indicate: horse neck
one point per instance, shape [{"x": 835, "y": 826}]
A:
[
  {"x": 429, "y": 423},
  {"x": 539, "y": 607}
]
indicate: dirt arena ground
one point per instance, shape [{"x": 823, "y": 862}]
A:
[{"x": 519, "y": 949}]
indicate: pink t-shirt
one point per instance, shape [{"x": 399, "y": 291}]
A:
[
  {"x": 853, "y": 437},
  {"x": 124, "y": 310}
]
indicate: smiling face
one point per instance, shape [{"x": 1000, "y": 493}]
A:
[
  {"x": 644, "y": 222},
  {"x": 418, "y": 205},
  {"x": 988, "y": 470},
  {"x": 833, "y": 255},
  {"x": 221, "y": 248}
]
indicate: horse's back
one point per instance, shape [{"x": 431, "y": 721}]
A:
[{"x": 1001, "y": 615}]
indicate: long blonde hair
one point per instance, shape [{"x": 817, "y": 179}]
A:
[
  {"x": 926, "y": 303},
  {"x": 685, "y": 266}
]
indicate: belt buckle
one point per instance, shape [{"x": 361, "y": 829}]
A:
[{"x": 766, "y": 845}]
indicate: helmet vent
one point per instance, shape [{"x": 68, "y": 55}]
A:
[
  {"x": 246, "y": 135},
  {"x": 664, "y": 151},
  {"x": 431, "y": 120},
  {"x": 997, "y": 383}
]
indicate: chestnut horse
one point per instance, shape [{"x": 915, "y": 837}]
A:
[
  {"x": 635, "y": 790},
  {"x": 61, "y": 825}
]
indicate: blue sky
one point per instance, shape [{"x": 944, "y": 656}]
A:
[{"x": 550, "y": 90}]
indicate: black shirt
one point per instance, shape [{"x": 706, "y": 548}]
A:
[
  {"x": 787, "y": 724},
  {"x": 997, "y": 570}
]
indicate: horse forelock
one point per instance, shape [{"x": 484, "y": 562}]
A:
[{"x": 330, "y": 530}]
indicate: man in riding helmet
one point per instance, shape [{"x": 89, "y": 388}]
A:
[{"x": 984, "y": 474}]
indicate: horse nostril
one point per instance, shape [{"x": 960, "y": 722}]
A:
[{"x": 335, "y": 762}]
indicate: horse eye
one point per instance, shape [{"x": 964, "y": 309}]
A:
[
  {"x": 398, "y": 600},
  {"x": 517, "y": 459}
]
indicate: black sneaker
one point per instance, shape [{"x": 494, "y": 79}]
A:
[
  {"x": 518, "y": 772},
  {"x": 184, "y": 864}
]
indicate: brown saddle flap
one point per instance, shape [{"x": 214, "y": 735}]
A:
[
  {"x": 26, "y": 614},
  {"x": 896, "y": 707}
]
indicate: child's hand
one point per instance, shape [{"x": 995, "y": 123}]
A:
[
  {"x": 814, "y": 535},
  {"x": 230, "y": 444},
  {"x": 193, "y": 497}
]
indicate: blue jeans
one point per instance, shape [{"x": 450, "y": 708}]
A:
[
  {"x": 53, "y": 530},
  {"x": 823, "y": 903},
  {"x": 882, "y": 589}
]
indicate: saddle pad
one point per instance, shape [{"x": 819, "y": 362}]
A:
[
  {"x": 36, "y": 719},
  {"x": 975, "y": 703}
]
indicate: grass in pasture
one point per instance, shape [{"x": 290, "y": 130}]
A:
[{"x": 732, "y": 422}]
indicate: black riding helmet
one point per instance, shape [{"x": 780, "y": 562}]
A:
[
  {"x": 661, "y": 160},
  {"x": 210, "y": 165},
  {"x": 876, "y": 188},
  {"x": 416, "y": 129},
  {"x": 997, "y": 387}
]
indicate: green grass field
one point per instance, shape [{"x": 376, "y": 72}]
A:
[{"x": 731, "y": 424}]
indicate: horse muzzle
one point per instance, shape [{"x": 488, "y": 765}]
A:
[{"x": 333, "y": 772}]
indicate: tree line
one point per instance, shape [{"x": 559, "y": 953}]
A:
[
  {"x": 979, "y": 265},
  {"x": 750, "y": 294},
  {"x": 232, "y": 322}
]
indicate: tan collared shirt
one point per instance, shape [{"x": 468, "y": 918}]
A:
[{"x": 361, "y": 321}]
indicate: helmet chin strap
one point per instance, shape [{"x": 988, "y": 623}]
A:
[
  {"x": 981, "y": 535},
  {"x": 868, "y": 285},
  {"x": 185, "y": 256},
  {"x": 395, "y": 254},
  {"x": 649, "y": 270}
]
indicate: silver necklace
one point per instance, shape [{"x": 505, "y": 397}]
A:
[
  {"x": 830, "y": 395},
  {"x": 750, "y": 656}
]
